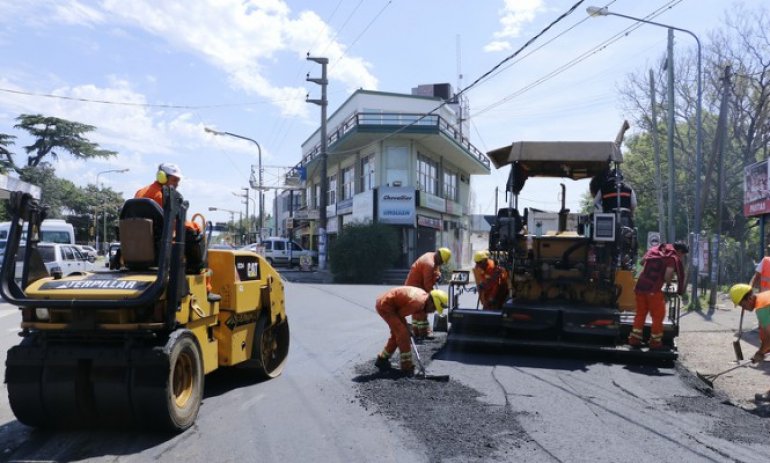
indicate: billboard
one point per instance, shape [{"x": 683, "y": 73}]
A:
[{"x": 756, "y": 193}]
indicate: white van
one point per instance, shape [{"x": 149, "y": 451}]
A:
[{"x": 51, "y": 231}]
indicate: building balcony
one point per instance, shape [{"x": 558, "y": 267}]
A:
[{"x": 362, "y": 128}]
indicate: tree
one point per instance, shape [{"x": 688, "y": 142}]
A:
[
  {"x": 52, "y": 136},
  {"x": 5, "y": 154},
  {"x": 743, "y": 44}
]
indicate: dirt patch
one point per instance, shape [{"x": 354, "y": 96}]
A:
[{"x": 446, "y": 417}]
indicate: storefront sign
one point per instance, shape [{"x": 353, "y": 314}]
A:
[
  {"x": 430, "y": 222},
  {"x": 454, "y": 208},
  {"x": 396, "y": 205},
  {"x": 345, "y": 206},
  {"x": 312, "y": 214},
  {"x": 363, "y": 206},
  {"x": 429, "y": 201}
]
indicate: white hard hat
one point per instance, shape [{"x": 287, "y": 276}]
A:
[{"x": 171, "y": 169}]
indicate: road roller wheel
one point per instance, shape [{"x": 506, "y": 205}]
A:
[
  {"x": 270, "y": 348},
  {"x": 168, "y": 398}
]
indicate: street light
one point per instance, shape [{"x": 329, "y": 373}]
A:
[
  {"x": 232, "y": 213},
  {"x": 259, "y": 150},
  {"x": 596, "y": 11},
  {"x": 96, "y": 225}
]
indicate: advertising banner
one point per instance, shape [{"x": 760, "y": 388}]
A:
[
  {"x": 756, "y": 193},
  {"x": 396, "y": 205}
]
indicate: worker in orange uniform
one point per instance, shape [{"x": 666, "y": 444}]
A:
[
  {"x": 424, "y": 274},
  {"x": 491, "y": 281},
  {"x": 394, "y": 306},
  {"x": 743, "y": 297},
  {"x": 170, "y": 175},
  {"x": 660, "y": 263},
  {"x": 761, "y": 280}
]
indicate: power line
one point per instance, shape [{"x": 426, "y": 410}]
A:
[
  {"x": 457, "y": 95},
  {"x": 592, "y": 51},
  {"x": 142, "y": 105}
]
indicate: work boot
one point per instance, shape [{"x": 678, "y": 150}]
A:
[
  {"x": 765, "y": 397},
  {"x": 382, "y": 363},
  {"x": 656, "y": 344},
  {"x": 633, "y": 341},
  {"x": 407, "y": 369}
]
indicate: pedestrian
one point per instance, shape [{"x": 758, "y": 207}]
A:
[
  {"x": 659, "y": 265},
  {"x": 743, "y": 296},
  {"x": 424, "y": 274},
  {"x": 394, "y": 306},
  {"x": 491, "y": 281}
]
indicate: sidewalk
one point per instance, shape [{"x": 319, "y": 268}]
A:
[
  {"x": 298, "y": 276},
  {"x": 706, "y": 345}
]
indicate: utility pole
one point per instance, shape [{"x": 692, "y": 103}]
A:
[
  {"x": 721, "y": 136},
  {"x": 323, "y": 102},
  {"x": 670, "y": 236},
  {"x": 656, "y": 148}
]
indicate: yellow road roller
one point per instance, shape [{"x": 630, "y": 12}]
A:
[{"x": 130, "y": 345}]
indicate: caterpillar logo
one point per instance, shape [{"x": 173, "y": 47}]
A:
[
  {"x": 96, "y": 284},
  {"x": 247, "y": 267}
]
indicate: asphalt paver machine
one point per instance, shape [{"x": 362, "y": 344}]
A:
[{"x": 571, "y": 289}]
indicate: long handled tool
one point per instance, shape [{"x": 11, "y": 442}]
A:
[
  {"x": 737, "y": 343},
  {"x": 709, "y": 379},
  {"x": 421, "y": 373}
]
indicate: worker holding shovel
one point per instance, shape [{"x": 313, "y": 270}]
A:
[
  {"x": 394, "y": 306},
  {"x": 743, "y": 296}
]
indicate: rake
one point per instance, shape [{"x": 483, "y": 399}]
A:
[
  {"x": 709, "y": 379},
  {"x": 421, "y": 373}
]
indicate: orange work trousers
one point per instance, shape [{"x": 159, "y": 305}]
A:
[
  {"x": 399, "y": 334},
  {"x": 655, "y": 305}
]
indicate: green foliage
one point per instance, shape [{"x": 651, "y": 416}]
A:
[
  {"x": 66, "y": 200},
  {"x": 53, "y": 134},
  {"x": 362, "y": 253}
]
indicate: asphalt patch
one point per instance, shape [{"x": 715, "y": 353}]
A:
[
  {"x": 447, "y": 417},
  {"x": 731, "y": 422}
]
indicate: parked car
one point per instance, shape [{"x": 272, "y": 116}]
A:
[
  {"x": 65, "y": 258},
  {"x": 282, "y": 251},
  {"x": 90, "y": 251}
]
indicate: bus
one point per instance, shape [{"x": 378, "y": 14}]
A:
[{"x": 51, "y": 231}]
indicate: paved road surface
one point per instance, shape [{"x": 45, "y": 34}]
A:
[{"x": 555, "y": 409}]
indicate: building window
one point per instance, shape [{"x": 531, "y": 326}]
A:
[
  {"x": 348, "y": 182},
  {"x": 331, "y": 197},
  {"x": 450, "y": 186},
  {"x": 427, "y": 175},
  {"x": 367, "y": 173}
]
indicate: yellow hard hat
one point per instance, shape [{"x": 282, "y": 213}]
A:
[
  {"x": 738, "y": 292},
  {"x": 445, "y": 254},
  {"x": 480, "y": 256},
  {"x": 440, "y": 300}
]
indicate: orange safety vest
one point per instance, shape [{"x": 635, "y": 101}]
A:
[{"x": 764, "y": 280}]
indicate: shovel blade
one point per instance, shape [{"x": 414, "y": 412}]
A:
[
  {"x": 738, "y": 350},
  {"x": 706, "y": 379}
]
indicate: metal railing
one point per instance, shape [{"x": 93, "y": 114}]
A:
[{"x": 396, "y": 121}]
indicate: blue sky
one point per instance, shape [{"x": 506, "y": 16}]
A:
[{"x": 169, "y": 68}]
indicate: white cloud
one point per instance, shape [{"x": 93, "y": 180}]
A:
[
  {"x": 74, "y": 12},
  {"x": 497, "y": 45},
  {"x": 243, "y": 39},
  {"x": 514, "y": 15}
]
